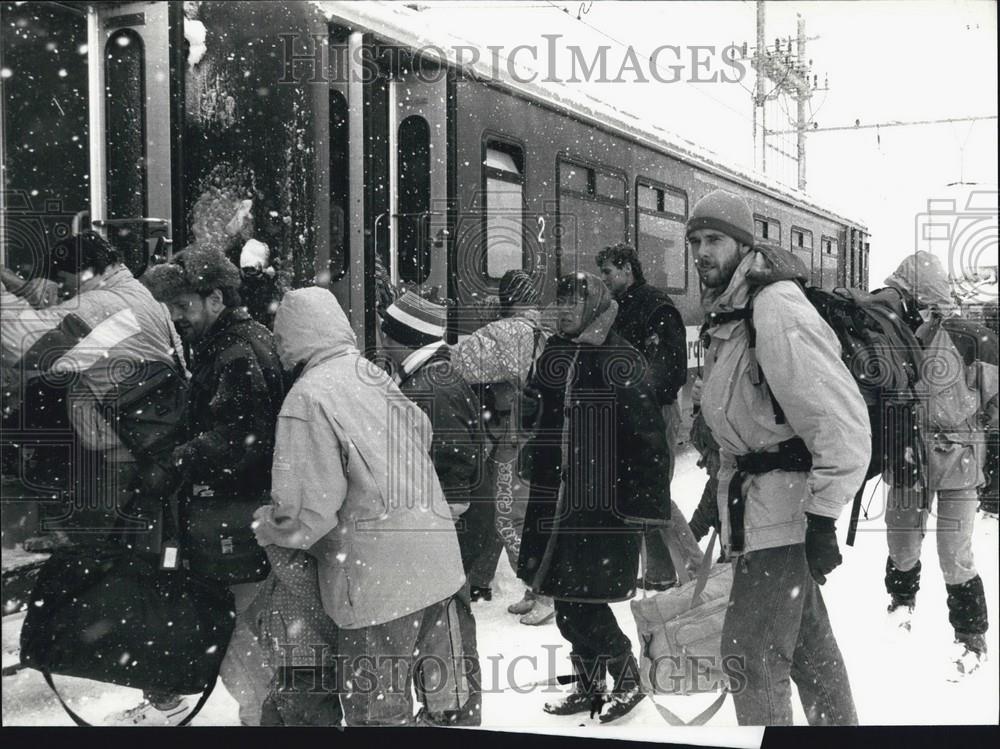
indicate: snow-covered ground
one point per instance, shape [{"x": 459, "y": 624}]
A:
[{"x": 896, "y": 680}]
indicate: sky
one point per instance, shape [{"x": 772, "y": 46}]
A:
[{"x": 885, "y": 61}]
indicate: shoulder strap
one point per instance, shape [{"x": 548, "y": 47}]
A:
[
  {"x": 699, "y": 720},
  {"x": 81, "y": 722},
  {"x": 756, "y": 373}
]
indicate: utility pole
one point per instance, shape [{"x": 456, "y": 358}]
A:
[
  {"x": 782, "y": 72},
  {"x": 802, "y": 95}
]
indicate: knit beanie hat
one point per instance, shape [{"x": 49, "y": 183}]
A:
[
  {"x": 415, "y": 321},
  {"x": 195, "y": 270},
  {"x": 724, "y": 212},
  {"x": 516, "y": 287}
]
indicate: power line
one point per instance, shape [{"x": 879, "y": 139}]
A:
[
  {"x": 895, "y": 123},
  {"x": 623, "y": 45}
]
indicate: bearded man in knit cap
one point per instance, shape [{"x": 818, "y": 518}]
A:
[
  {"x": 782, "y": 482},
  {"x": 237, "y": 387}
]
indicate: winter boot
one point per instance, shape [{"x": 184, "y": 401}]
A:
[
  {"x": 543, "y": 612},
  {"x": 902, "y": 585},
  {"x": 627, "y": 691},
  {"x": 967, "y": 607},
  {"x": 588, "y": 694},
  {"x": 479, "y": 593},
  {"x": 968, "y": 655},
  {"x": 523, "y": 606}
]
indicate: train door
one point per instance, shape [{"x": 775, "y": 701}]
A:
[
  {"x": 131, "y": 120},
  {"x": 418, "y": 181}
]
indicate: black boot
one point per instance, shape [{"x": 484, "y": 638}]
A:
[
  {"x": 588, "y": 694},
  {"x": 967, "y": 607},
  {"x": 902, "y": 586},
  {"x": 627, "y": 691}
]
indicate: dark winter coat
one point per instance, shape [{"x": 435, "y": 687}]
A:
[
  {"x": 649, "y": 321},
  {"x": 457, "y": 448},
  {"x": 236, "y": 393},
  {"x": 581, "y": 532}
]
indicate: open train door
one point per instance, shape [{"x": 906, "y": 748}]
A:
[
  {"x": 418, "y": 174},
  {"x": 135, "y": 98}
]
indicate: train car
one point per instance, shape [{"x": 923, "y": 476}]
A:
[{"x": 359, "y": 148}]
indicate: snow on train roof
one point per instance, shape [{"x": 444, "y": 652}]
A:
[{"x": 399, "y": 23}]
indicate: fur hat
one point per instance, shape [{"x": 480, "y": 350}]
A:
[
  {"x": 724, "y": 212},
  {"x": 195, "y": 270}
]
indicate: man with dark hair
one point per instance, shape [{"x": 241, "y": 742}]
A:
[
  {"x": 237, "y": 387},
  {"x": 649, "y": 321},
  {"x": 784, "y": 481}
]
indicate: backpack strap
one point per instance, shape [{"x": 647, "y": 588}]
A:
[{"x": 756, "y": 373}]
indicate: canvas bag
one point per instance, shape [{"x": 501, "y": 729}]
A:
[{"x": 680, "y": 632}]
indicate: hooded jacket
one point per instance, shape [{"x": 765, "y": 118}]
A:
[
  {"x": 598, "y": 466},
  {"x": 352, "y": 479},
  {"x": 960, "y": 395},
  {"x": 799, "y": 356}
]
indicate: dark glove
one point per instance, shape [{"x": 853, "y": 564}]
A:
[{"x": 822, "y": 551}]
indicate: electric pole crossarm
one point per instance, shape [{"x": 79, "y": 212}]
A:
[{"x": 894, "y": 123}]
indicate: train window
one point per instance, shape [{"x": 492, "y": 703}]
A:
[
  {"x": 592, "y": 215},
  {"x": 504, "y": 173},
  {"x": 802, "y": 246},
  {"x": 802, "y": 239},
  {"x": 413, "y": 187},
  {"x": 339, "y": 181},
  {"x": 767, "y": 228},
  {"x": 828, "y": 262},
  {"x": 577, "y": 178},
  {"x": 587, "y": 219},
  {"x": 125, "y": 145},
  {"x": 609, "y": 186},
  {"x": 661, "y": 213}
]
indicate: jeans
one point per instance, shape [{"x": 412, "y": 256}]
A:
[
  {"x": 777, "y": 628},
  {"x": 422, "y": 650},
  {"x": 906, "y": 524}
]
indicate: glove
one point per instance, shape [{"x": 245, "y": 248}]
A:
[{"x": 822, "y": 551}]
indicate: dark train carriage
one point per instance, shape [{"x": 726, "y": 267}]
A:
[{"x": 320, "y": 130}]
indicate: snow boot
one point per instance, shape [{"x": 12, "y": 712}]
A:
[
  {"x": 900, "y": 616},
  {"x": 967, "y": 607},
  {"x": 543, "y": 612},
  {"x": 627, "y": 690},
  {"x": 902, "y": 585},
  {"x": 968, "y": 655},
  {"x": 588, "y": 694},
  {"x": 523, "y": 606}
]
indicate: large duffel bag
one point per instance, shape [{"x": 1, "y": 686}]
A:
[
  {"x": 107, "y": 614},
  {"x": 680, "y": 631}
]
